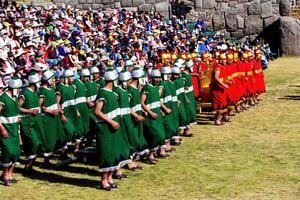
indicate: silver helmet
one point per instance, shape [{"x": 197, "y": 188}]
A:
[
  {"x": 85, "y": 72},
  {"x": 94, "y": 70},
  {"x": 15, "y": 82},
  {"x": 175, "y": 70}
]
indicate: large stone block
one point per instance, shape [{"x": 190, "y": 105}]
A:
[
  {"x": 231, "y": 20},
  {"x": 284, "y": 7},
  {"x": 254, "y": 8},
  {"x": 107, "y": 2},
  {"x": 237, "y": 34},
  {"x": 162, "y": 7},
  {"x": 269, "y": 21},
  {"x": 218, "y": 22},
  {"x": 266, "y": 9},
  {"x": 136, "y": 3},
  {"x": 289, "y": 29},
  {"x": 207, "y": 4},
  {"x": 126, "y": 3},
  {"x": 146, "y": 7},
  {"x": 198, "y": 3},
  {"x": 240, "y": 22},
  {"x": 254, "y": 25}
]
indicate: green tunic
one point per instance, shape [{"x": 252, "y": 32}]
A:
[
  {"x": 32, "y": 127},
  {"x": 68, "y": 104},
  {"x": 55, "y": 137},
  {"x": 167, "y": 99},
  {"x": 112, "y": 145},
  {"x": 127, "y": 121},
  {"x": 100, "y": 83},
  {"x": 135, "y": 105},
  {"x": 153, "y": 128},
  {"x": 82, "y": 107},
  {"x": 189, "y": 91},
  {"x": 91, "y": 94},
  {"x": 182, "y": 110},
  {"x": 10, "y": 146},
  {"x": 175, "y": 111}
]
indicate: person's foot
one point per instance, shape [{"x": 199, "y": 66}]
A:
[
  {"x": 227, "y": 119},
  {"x": 150, "y": 161},
  {"x": 120, "y": 176},
  {"x": 104, "y": 187},
  {"x": 219, "y": 123},
  {"x": 113, "y": 185},
  {"x": 13, "y": 180},
  {"x": 7, "y": 182}
]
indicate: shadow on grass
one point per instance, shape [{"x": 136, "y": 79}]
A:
[
  {"x": 205, "y": 118},
  {"x": 55, "y": 178},
  {"x": 291, "y": 97},
  {"x": 294, "y": 85}
]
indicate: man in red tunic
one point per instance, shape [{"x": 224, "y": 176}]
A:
[
  {"x": 232, "y": 90},
  {"x": 219, "y": 90}
]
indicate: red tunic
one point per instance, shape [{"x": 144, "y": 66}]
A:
[
  {"x": 259, "y": 74},
  {"x": 241, "y": 84},
  {"x": 232, "y": 90},
  {"x": 195, "y": 80},
  {"x": 219, "y": 96},
  {"x": 250, "y": 79}
]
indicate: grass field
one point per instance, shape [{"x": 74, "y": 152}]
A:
[{"x": 257, "y": 156}]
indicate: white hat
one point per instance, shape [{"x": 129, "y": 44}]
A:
[
  {"x": 94, "y": 70},
  {"x": 47, "y": 75},
  {"x": 155, "y": 73},
  {"x": 137, "y": 73},
  {"x": 33, "y": 78},
  {"x": 9, "y": 70},
  {"x": 110, "y": 75},
  {"x": 128, "y": 63},
  {"x": 14, "y": 82},
  {"x": 175, "y": 70},
  {"x": 85, "y": 72},
  {"x": 124, "y": 76},
  {"x": 189, "y": 63},
  {"x": 166, "y": 70},
  {"x": 68, "y": 73},
  {"x": 19, "y": 52},
  {"x": 40, "y": 66}
]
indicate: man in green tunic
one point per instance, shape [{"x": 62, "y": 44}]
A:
[
  {"x": 170, "y": 120},
  {"x": 95, "y": 72},
  {"x": 189, "y": 91},
  {"x": 65, "y": 97},
  {"x": 82, "y": 106},
  {"x": 153, "y": 125},
  {"x": 9, "y": 127},
  {"x": 112, "y": 147},
  {"x": 182, "y": 99},
  {"x": 55, "y": 133},
  {"x": 136, "y": 111},
  {"x": 32, "y": 127},
  {"x": 127, "y": 119}
]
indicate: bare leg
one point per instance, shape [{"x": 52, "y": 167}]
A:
[{"x": 104, "y": 179}]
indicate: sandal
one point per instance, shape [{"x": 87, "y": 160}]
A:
[
  {"x": 107, "y": 188},
  {"x": 7, "y": 182},
  {"x": 13, "y": 180},
  {"x": 150, "y": 161},
  {"x": 120, "y": 176},
  {"x": 188, "y": 135},
  {"x": 113, "y": 185}
]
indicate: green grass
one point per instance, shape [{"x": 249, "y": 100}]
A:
[{"x": 257, "y": 156}]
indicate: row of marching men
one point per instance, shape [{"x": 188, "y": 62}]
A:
[
  {"x": 131, "y": 119},
  {"x": 234, "y": 83}
]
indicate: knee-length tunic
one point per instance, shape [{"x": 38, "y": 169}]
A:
[
  {"x": 10, "y": 146},
  {"x": 68, "y": 104},
  {"x": 189, "y": 90},
  {"x": 82, "y": 107},
  {"x": 135, "y": 105},
  {"x": 127, "y": 121},
  {"x": 54, "y": 133},
  {"x": 112, "y": 145},
  {"x": 153, "y": 128},
  {"x": 167, "y": 99},
  {"x": 32, "y": 127},
  {"x": 182, "y": 109}
]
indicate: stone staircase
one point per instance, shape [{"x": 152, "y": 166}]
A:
[{"x": 295, "y": 8}]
